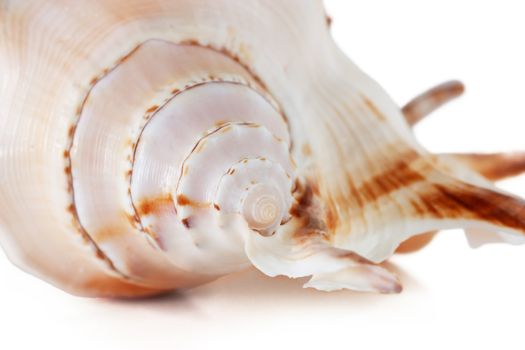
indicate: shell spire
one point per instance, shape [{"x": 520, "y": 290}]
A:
[{"x": 161, "y": 144}]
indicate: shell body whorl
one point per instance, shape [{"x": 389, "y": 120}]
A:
[{"x": 160, "y": 144}]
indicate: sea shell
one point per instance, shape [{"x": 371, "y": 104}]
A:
[{"x": 152, "y": 145}]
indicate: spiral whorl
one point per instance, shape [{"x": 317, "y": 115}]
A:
[
  {"x": 200, "y": 143},
  {"x": 240, "y": 168},
  {"x": 264, "y": 208}
]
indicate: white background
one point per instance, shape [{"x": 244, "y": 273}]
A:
[{"x": 453, "y": 296}]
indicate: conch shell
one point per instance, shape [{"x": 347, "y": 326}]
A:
[{"x": 150, "y": 145}]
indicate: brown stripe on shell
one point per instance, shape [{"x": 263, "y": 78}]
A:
[
  {"x": 464, "y": 201},
  {"x": 306, "y": 213},
  {"x": 303, "y": 199},
  {"x": 108, "y": 232},
  {"x": 424, "y": 104},
  {"x": 152, "y": 109},
  {"x": 157, "y": 205},
  {"x": 331, "y": 216},
  {"x": 399, "y": 174},
  {"x": 183, "y": 200},
  {"x": 495, "y": 166},
  {"x": 373, "y": 108}
]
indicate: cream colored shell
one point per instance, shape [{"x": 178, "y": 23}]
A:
[{"x": 152, "y": 145}]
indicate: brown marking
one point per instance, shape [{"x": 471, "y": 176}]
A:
[
  {"x": 71, "y": 208},
  {"x": 200, "y": 146},
  {"x": 186, "y": 222},
  {"x": 469, "y": 202},
  {"x": 126, "y": 56},
  {"x": 225, "y": 129},
  {"x": 157, "y": 205},
  {"x": 307, "y": 150},
  {"x": 152, "y": 109},
  {"x": 395, "y": 176},
  {"x": 216, "y": 206},
  {"x": 374, "y": 109},
  {"x": 221, "y": 122},
  {"x": 329, "y": 21},
  {"x": 315, "y": 188},
  {"x": 430, "y": 100},
  {"x": 71, "y": 132},
  {"x": 495, "y": 166},
  {"x": 107, "y": 234},
  {"x": 332, "y": 219},
  {"x": 419, "y": 210},
  {"x": 183, "y": 200},
  {"x": 133, "y": 220},
  {"x": 79, "y": 108},
  {"x": 93, "y": 81},
  {"x": 100, "y": 255},
  {"x": 67, "y": 170},
  {"x": 66, "y": 154},
  {"x": 231, "y": 171},
  {"x": 303, "y": 201},
  {"x": 430, "y": 208},
  {"x": 129, "y": 173},
  {"x": 284, "y": 221},
  {"x": 308, "y": 213},
  {"x": 191, "y": 42},
  {"x": 128, "y": 143},
  {"x": 175, "y": 91}
]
